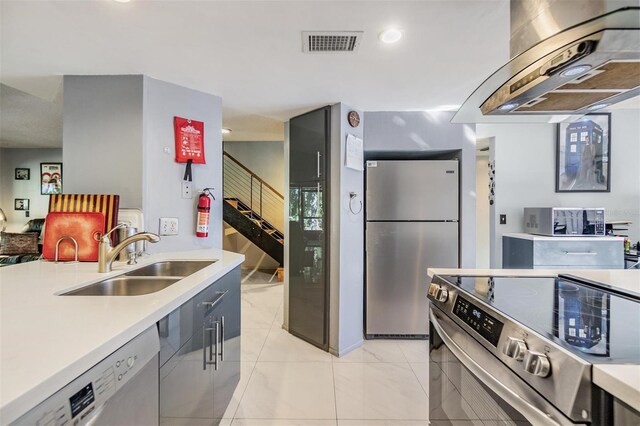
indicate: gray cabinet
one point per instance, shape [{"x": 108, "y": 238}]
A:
[
  {"x": 526, "y": 251},
  {"x": 308, "y": 238},
  {"x": 200, "y": 354}
]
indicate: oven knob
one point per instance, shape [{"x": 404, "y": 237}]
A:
[
  {"x": 514, "y": 348},
  {"x": 442, "y": 295},
  {"x": 537, "y": 364},
  {"x": 433, "y": 289}
]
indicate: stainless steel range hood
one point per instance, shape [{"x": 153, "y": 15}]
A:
[{"x": 569, "y": 58}]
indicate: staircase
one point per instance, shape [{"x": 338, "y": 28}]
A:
[{"x": 253, "y": 208}]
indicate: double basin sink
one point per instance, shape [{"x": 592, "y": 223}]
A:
[{"x": 145, "y": 280}]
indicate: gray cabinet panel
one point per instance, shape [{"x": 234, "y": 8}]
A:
[
  {"x": 546, "y": 252},
  {"x": 188, "y": 388},
  {"x": 309, "y": 136}
]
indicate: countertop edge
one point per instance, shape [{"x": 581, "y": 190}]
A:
[
  {"x": 620, "y": 380},
  {"x": 18, "y": 406}
]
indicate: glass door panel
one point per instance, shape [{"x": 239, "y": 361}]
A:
[{"x": 309, "y": 136}]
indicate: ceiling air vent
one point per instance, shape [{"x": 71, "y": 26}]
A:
[{"x": 330, "y": 41}]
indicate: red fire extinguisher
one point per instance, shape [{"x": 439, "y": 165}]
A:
[{"x": 204, "y": 210}]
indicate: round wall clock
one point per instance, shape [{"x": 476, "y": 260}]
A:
[{"x": 354, "y": 118}]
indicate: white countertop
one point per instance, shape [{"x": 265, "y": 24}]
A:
[
  {"x": 620, "y": 380},
  {"x": 46, "y": 340}
]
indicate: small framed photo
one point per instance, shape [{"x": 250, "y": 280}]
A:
[
  {"x": 23, "y": 174},
  {"x": 50, "y": 178},
  {"x": 21, "y": 204},
  {"x": 583, "y": 154}
]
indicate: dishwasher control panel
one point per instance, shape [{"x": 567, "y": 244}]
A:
[{"x": 81, "y": 400}]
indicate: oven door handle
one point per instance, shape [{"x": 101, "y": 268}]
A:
[{"x": 532, "y": 413}]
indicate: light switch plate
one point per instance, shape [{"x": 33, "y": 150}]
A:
[
  {"x": 503, "y": 219},
  {"x": 168, "y": 226}
]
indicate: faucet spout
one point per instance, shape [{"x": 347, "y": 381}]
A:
[{"x": 107, "y": 254}]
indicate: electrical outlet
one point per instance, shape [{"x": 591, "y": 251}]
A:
[
  {"x": 168, "y": 226},
  {"x": 187, "y": 189}
]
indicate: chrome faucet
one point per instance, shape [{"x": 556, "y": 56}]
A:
[{"x": 107, "y": 254}]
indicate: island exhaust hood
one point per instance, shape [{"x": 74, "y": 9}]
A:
[{"x": 569, "y": 58}]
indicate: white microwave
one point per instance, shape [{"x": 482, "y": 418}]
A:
[{"x": 564, "y": 221}]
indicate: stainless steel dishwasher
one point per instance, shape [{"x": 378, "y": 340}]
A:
[{"x": 122, "y": 390}]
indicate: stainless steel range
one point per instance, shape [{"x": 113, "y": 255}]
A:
[{"x": 522, "y": 349}]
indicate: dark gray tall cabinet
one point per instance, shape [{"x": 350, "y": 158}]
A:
[{"x": 308, "y": 239}]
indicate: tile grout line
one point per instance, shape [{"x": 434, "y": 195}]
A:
[
  {"x": 243, "y": 391},
  {"x": 418, "y": 379},
  {"x": 335, "y": 396},
  {"x": 255, "y": 363}
]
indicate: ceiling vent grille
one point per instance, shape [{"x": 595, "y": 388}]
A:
[{"x": 330, "y": 41}]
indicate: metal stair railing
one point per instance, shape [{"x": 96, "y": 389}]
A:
[{"x": 264, "y": 201}]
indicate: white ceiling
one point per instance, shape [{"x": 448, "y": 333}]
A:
[
  {"x": 27, "y": 121},
  {"x": 250, "y": 53}
]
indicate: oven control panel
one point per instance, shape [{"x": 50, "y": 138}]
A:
[{"x": 476, "y": 318}]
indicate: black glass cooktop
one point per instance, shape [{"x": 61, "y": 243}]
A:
[{"x": 597, "y": 325}]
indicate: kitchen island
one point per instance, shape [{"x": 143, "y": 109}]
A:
[
  {"x": 621, "y": 380},
  {"x": 47, "y": 340}
]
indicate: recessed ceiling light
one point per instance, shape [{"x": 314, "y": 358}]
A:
[
  {"x": 391, "y": 35},
  {"x": 597, "y": 106},
  {"x": 446, "y": 107},
  {"x": 226, "y": 131},
  {"x": 122, "y": 1},
  {"x": 577, "y": 70},
  {"x": 508, "y": 107}
]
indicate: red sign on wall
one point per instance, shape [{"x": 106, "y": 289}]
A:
[{"x": 189, "y": 140}]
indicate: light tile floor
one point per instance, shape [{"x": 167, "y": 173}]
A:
[{"x": 286, "y": 382}]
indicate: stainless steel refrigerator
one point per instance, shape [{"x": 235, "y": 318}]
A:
[{"x": 412, "y": 224}]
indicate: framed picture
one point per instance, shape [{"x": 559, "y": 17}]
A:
[
  {"x": 21, "y": 204},
  {"x": 50, "y": 178},
  {"x": 23, "y": 174},
  {"x": 583, "y": 160}
]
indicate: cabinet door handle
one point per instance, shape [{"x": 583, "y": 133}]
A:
[
  {"x": 209, "y": 330},
  {"x": 216, "y": 300},
  {"x": 204, "y": 346},
  {"x": 318, "y": 164},
  {"x": 581, "y": 253},
  {"x": 215, "y": 360},
  {"x": 222, "y": 338}
]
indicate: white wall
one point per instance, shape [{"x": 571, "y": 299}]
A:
[
  {"x": 266, "y": 159},
  {"x": 525, "y": 174},
  {"x": 163, "y": 176},
  {"x": 116, "y": 130},
  {"x": 102, "y": 136},
  {"x": 346, "y": 246},
  {"x": 423, "y": 132},
  {"x": 482, "y": 211},
  {"x": 10, "y": 159}
]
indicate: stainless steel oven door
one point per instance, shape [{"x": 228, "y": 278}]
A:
[{"x": 467, "y": 383}]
